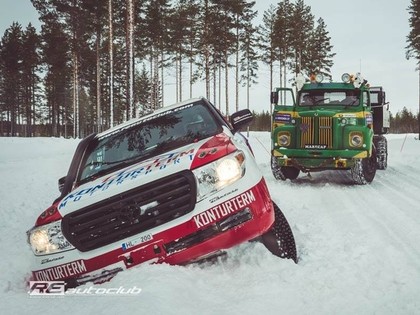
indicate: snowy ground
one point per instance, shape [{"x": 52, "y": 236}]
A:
[{"x": 359, "y": 246}]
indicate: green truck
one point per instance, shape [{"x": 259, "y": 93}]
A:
[{"x": 329, "y": 126}]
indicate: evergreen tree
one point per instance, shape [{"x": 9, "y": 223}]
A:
[
  {"x": 413, "y": 39},
  {"x": 224, "y": 38},
  {"x": 30, "y": 78},
  {"x": 319, "y": 51},
  {"x": 283, "y": 37},
  {"x": 96, "y": 11},
  {"x": 89, "y": 76},
  {"x": 157, "y": 15},
  {"x": 183, "y": 40},
  {"x": 56, "y": 59},
  {"x": 11, "y": 69},
  {"x": 266, "y": 41},
  {"x": 302, "y": 24},
  {"x": 249, "y": 56},
  {"x": 142, "y": 91}
]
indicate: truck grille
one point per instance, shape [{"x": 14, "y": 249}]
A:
[
  {"x": 131, "y": 212},
  {"x": 316, "y": 131}
]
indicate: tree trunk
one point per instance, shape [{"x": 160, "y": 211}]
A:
[
  {"x": 130, "y": 67},
  {"x": 98, "y": 81},
  {"x": 271, "y": 83},
  {"x": 180, "y": 77},
  {"x": 237, "y": 70},
  {"x": 111, "y": 65},
  {"x": 227, "y": 84},
  {"x": 214, "y": 82},
  {"x": 76, "y": 127}
]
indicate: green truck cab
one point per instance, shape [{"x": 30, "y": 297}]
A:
[{"x": 329, "y": 126}]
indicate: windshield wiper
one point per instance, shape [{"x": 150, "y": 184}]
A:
[{"x": 321, "y": 100}]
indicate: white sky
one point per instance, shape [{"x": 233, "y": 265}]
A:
[{"x": 369, "y": 36}]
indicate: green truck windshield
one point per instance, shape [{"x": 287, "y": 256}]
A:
[{"x": 329, "y": 97}]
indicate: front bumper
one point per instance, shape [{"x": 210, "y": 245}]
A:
[
  {"x": 243, "y": 217},
  {"x": 313, "y": 160}
]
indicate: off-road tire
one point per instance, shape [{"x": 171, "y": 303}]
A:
[
  {"x": 283, "y": 172},
  {"x": 276, "y": 169},
  {"x": 279, "y": 240},
  {"x": 381, "y": 145},
  {"x": 290, "y": 172},
  {"x": 364, "y": 170}
]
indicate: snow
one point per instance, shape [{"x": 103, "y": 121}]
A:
[{"x": 358, "y": 246}]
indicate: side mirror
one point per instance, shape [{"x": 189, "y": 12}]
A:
[
  {"x": 274, "y": 97},
  {"x": 61, "y": 183},
  {"x": 383, "y": 99},
  {"x": 241, "y": 119}
]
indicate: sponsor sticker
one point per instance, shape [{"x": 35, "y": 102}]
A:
[
  {"x": 348, "y": 115},
  {"x": 369, "y": 119},
  {"x": 61, "y": 272},
  {"x": 137, "y": 171},
  {"x": 224, "y": 209},
  {"x": 285, "y": 118}
]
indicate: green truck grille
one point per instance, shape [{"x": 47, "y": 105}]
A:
[{"x": 316, "y": 133}]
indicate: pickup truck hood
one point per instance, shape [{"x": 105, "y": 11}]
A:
[{"x": 185, "y": 158}]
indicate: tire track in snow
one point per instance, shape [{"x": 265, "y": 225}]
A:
[{"x": 389, "y": 224}]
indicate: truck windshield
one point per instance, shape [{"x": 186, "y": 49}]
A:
[
  {"x": 147, "y": 138},
  {"x": 329, "y": 97}
]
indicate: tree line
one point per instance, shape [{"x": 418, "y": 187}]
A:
[
  {"x": 404, "y": 121},
  {"x": 95, "y": 64}
]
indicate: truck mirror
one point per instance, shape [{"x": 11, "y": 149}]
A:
[
  {"x": 61, "y": 182},
  {"x": 241, "y": 119},
  {"x": 274, "y": 98}
]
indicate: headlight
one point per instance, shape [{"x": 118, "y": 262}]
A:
[
  {"x": 48, "y": 239},
  {"x": 219, "y": 174},
  {"x": 319, "y": 78},
  {"x": 356, "y": 139},
  {"x": 283, "y": 139},
  {"x": 346, "y": 78}
]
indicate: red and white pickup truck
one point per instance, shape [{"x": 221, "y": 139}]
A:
[{"x": 174, "y": 186}]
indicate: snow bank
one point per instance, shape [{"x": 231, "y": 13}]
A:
[{"x": 359, "y": 246}]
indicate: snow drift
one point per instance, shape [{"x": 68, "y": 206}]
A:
[{"x": 358, "y": 246}]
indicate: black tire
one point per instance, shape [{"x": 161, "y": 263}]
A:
[
  {"x": 279, "y": 239},
  {"x": 283, "y": 172},
  {"x": 364, "y": 170},
  {"x": 381, "y": 145},
  {"x": 276, "y": 169},
  {"x": 290, "y": 172}
]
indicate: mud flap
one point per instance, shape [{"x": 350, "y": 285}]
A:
[{"x": 279, "y": 239}]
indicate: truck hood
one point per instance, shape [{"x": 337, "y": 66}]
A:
[
  {"x": 185, "y": 158},
  {"x": 318, "y": 112}
]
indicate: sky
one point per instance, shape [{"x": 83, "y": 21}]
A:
[{"x": 367, "y": 37}]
